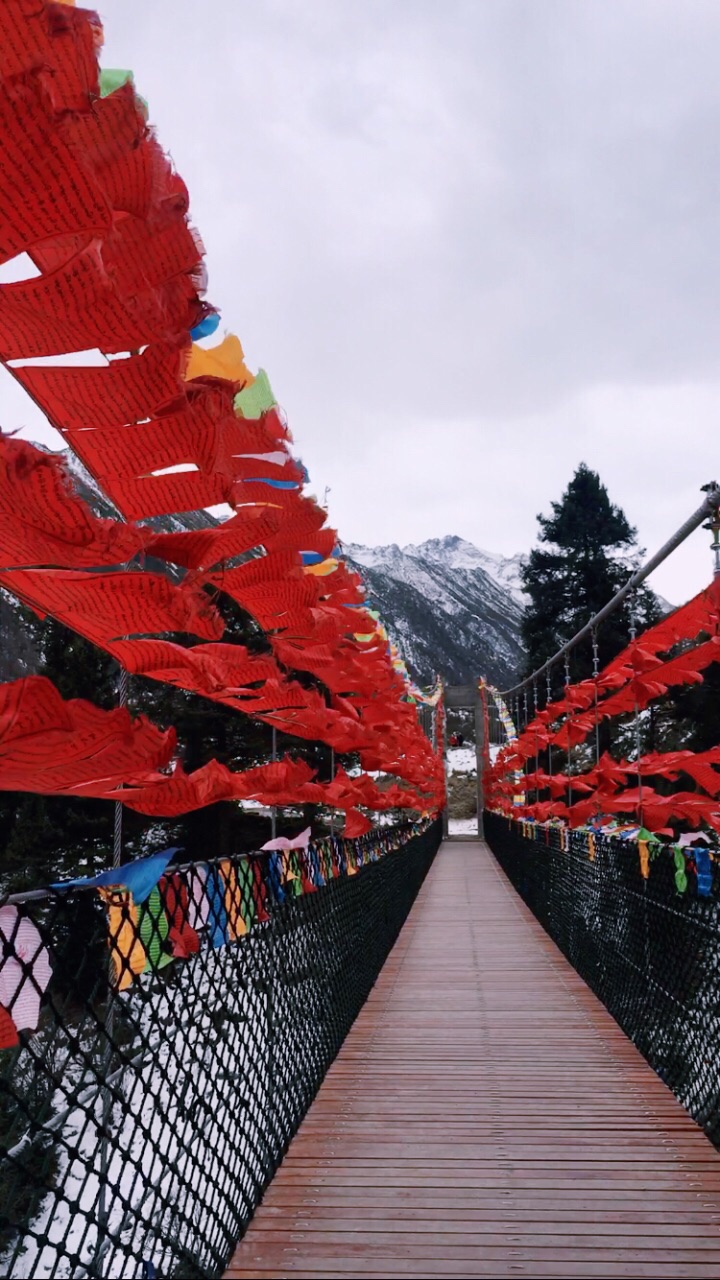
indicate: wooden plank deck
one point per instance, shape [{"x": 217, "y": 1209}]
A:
[{"x": 487, "y": 1117}]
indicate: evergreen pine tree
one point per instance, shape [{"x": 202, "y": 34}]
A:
[
  {"x": 692, "y": 716},
  {"x": 588, "y": 550}
]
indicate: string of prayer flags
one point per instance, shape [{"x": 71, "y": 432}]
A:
[
  {"x": 52, "y": 747},
  {"x": 165, "y": 426},
  {"x": 220, "y": 902},
  {"x": 628, "y": 684}
]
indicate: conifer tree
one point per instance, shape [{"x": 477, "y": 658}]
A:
[{"x": 588, "y": 549}]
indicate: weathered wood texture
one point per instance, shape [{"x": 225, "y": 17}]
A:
[{"x": 487, "y": 1117}]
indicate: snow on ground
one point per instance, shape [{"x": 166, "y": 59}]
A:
[
  {"x": 185, "y": 1126},
  {"x": 462, "y": 827},
  {"x": 461, "y": 760}
]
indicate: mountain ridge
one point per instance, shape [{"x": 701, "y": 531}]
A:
[{"x": 473, "y": 627}]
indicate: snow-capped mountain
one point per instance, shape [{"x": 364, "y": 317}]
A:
[
  {"x": 451, "y": 607},
  {"x": 456, "y": 553}
]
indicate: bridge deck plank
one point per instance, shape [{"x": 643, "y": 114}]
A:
[{"x": 487, "y": 1117}]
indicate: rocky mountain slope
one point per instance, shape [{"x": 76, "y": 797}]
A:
[{"x": 451, "y": 607}]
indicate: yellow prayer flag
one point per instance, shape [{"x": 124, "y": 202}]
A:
[{"x": 126, "y": 950}]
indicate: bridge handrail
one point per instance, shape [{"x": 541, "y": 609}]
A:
[
  {"x": 643, "y": 933},
  {"x": 165, "y": 1054}
]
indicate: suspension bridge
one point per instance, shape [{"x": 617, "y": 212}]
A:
[
  {"x": 487, "y": 1117},
  {"x": 359, "y": 1047}
]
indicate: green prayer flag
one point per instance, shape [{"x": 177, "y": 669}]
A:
[
  {"x": 680, "y": 876},
  {"x": 245, "y": 881},
  {"x": 295, "y": 884},
  {"x": 256, "y": 399},
  {"x": 112, "y": 78},
  {"x": 154, "y": 928}
]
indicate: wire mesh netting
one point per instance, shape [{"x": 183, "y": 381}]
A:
[
  {"x": 180, "y": 1043},
  {"x": 649, "y": 951}
]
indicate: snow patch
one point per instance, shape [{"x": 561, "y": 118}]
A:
[
  {"x": 462, "y": 827},
  {"x": 461, "y": 760},
  {"x": 450, "y": 552}
]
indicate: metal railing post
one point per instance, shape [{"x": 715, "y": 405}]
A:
[
  {"x": 273, "y": 811},
  {"x": 446, "y": 810},
  {"x": 480, "y": 760},
  {"x": 103, "y": 1244}
]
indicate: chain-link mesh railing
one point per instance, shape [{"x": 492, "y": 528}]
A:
[
  {"x": 650, "y": 951},
  {"x": 179, "y": 1045}
]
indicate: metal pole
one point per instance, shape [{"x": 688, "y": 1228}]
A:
[
  {"x": 714, "y": 526},
  {"x": 273, "y": 811},
  {"x": 548, "y": 700},
  {"x": 480, "y": 760},
  {"x": 537, "y": 747},
  {"x": 332, "y": 776},
  {"x": 596, "y": 673},
  {"x": 102, "y": 1243},
  {"x": 569, "y": 750},
  {"x": 117, "y": 830},
  {"x": 446, "y": 818},
  {"x": 525, "y": 725},
  {"x": 638, "y": 743}
]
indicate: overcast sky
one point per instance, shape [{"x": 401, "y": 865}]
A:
[{"x": 473, "y": 244}]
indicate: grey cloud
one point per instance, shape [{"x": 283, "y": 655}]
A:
[{"x": 472, "y": 243}]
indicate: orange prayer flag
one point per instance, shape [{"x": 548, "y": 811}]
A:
[
  {"x": 237, "y": 926},
  {"x": 226, "y": 361},
  {"x": 644, "y": 852}
]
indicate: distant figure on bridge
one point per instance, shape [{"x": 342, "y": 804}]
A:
[
  {"x": 454, "y": 740},
  {"x": 460, "y": 739}
]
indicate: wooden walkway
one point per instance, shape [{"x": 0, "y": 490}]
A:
[{"x": 487, "y": 1117}]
